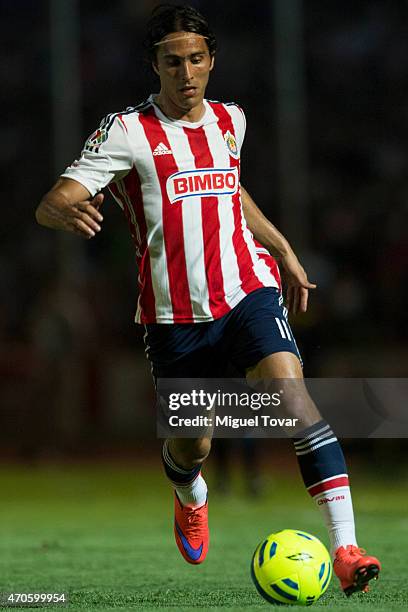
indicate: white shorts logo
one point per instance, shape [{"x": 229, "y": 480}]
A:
[{"x": 201, "y": 183}]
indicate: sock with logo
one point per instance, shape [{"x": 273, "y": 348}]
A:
[
  {"x": 324, "y": 473},
  {"x": 189, "y": 485}
]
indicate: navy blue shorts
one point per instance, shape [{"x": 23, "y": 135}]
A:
[{"x": 254, "y": 329}]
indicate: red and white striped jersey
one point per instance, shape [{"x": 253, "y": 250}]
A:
[{"x": 178, "y": 185}]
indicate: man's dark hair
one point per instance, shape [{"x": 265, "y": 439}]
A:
[{"x": 167, "y": 18}]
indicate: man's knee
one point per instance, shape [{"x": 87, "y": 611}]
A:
[
  {"x": 282, "y": 373},
  {"x": 283, "y": 365},
  {"x": 189, "y": 453}
]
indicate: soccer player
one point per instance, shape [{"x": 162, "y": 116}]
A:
[{"x": 208, "y": 292}]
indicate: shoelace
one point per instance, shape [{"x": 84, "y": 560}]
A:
[
  {"x": 353, "y": 551},
  {"x": 194, "y": 521}
]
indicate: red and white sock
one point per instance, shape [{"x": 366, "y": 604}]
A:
[
  {"x": 189, "y": 485},
  {"x": 324, "y": 473},
  {"x": 333, "y": 498},
  {"x": 193, "y": 494}
]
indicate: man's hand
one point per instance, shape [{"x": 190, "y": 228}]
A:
[
  {"x": 84, "y": 217},
  {"x": 298, "y": 285},
  {"x": 70, "y": 207}
]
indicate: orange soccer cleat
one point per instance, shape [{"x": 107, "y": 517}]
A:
[
  {"x": 355, "y": 569},
  {"x": 191, "y": 531}
]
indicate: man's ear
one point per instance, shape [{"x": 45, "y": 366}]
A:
[
  {"x": 155, "y": 68},
  {"x": 212, "y": 62}
]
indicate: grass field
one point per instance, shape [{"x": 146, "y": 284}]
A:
[{"x": 104, "y": 535}]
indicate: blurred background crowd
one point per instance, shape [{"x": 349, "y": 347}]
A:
[{"x": 72, "y": 365}]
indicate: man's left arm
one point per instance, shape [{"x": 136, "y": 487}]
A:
[{"x": 268, "y": 235}]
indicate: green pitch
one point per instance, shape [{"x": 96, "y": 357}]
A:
[{"x": 90, "y": 531}]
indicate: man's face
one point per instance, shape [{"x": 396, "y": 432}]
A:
[{"x": 183, "y": 65}]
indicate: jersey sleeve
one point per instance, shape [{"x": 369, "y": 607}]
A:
[
  {"x": 106, "y": 156},
  {"x": 239, "y": 120}
]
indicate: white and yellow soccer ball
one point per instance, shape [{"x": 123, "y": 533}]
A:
[{"x": 291, "y": 567}]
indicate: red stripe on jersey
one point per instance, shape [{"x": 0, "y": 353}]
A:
[
  {"x": 249, "y": 281},
  {"x": 134, "y": 200},
  {"x": 333, "y": 483},
  {"x": 146, "y": 299},
  {"x": 210, "y": 226},
  {"x": 172, "y": 221}
]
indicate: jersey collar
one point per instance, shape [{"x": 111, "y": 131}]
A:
[{"x": 208, "y": 116}]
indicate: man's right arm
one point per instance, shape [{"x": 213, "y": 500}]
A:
[
  {"x": 106, "y": 156},
  {"x": 69, "y": 206}
]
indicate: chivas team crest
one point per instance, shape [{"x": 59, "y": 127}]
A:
[{"x": 231, "y": 144}]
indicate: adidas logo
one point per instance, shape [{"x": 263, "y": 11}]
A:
[{"x": 161, "y": 149}]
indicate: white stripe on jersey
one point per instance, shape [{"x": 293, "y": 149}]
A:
[
  {"x": 262, "y": 251},
  {"x": 192, "y": 228},
  {"x": 229, "y": 264},
  {"x": 261, "y": 270},
  {"x": 154, "y": 224}
]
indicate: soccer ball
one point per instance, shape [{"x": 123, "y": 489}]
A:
[{"x": 291, "y": 567}]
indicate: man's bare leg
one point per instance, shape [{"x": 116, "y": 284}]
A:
[
  {"x": 182, "y": 460},
  {"x": 322, "y": 466}
]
